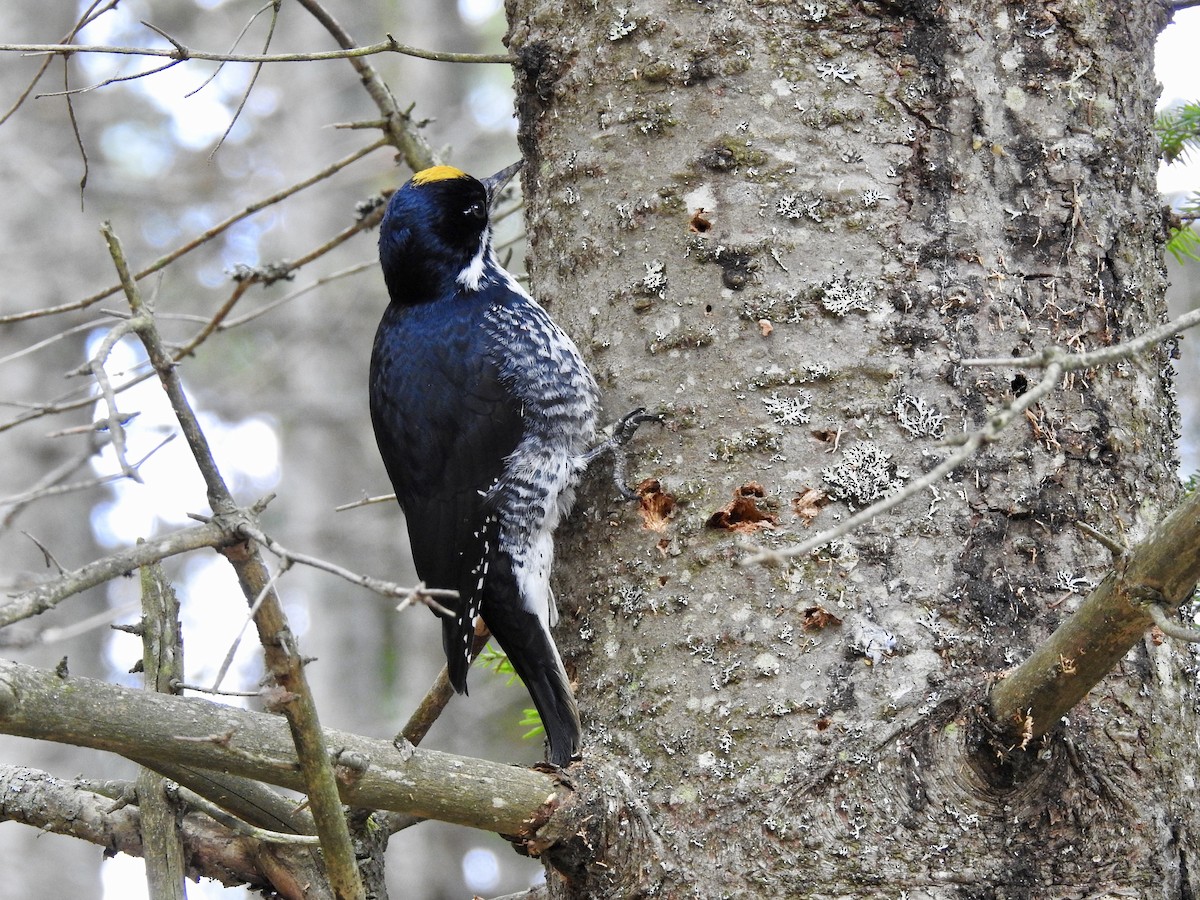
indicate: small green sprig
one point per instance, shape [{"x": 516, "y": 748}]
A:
[{"x": 497, "y": 661}]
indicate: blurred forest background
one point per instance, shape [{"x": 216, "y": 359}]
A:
[{"x": 282, "y": 387}]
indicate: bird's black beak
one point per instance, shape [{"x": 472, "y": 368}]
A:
[{"x": 495, "y": 184}]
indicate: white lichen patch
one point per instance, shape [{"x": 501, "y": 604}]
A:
[
  {"x": 870, "y": 197},
  {"x": 655, "y": 281},
  {"x": 874, "y": 641},
  {"x": 839, "y": 71},
  {"x": 846, "y": 294},
  {"x": 798, "y": 206},
  {"x": 919, "y": 418},
  {"x": 789, "y": 411},
  {"x": 621, "y": 27},
  {"x": 767, "y": 665},
  {"x": 864, "y": 474}
]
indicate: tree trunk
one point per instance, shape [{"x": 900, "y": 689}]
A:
[{"x": 785, "y": 225}]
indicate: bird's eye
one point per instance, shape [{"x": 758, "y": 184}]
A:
[{"x": 477, "y": 211}]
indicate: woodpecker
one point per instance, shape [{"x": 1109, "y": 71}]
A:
[{"x": 484, "y": 412}]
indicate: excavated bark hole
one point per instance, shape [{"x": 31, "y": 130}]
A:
[{"x": 1004, "y": 761}]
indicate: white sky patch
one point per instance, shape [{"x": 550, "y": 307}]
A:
[
  {"x": 1175, "y": 66},
  {"x": 481, "y": 870},
  {"x": 124, "y": 878},
  {"x": 476, "y": 12},
  {"x": 491, "y": 106},
  {"x": 247, "y": 453}
]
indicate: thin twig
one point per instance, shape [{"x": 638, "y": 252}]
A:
[
  {"x": 274, "y": 7},
  {"x": 272, "y": 4},
  {"x": 48, "y": 486},
  {"x": 223, "y": 670},
  {"x": 1169, "y": 628},
  {"x": 89, "y": 16},
  {"x": 1090, "y": 358},
  {"x": 398, "y": 125},
  {"x": 115, "y": 420},
  {"x": 165, "y": 260},
  {"x": 70, "y": 92},
  {"x": 280, "y": 650},
  {"x": 46, "y": 342},
  {"x": 365, "y": 501},
  {"x": 75, "y": 131},
  {"x": 46, "y": 596},
  {"x": 180, "y": 53},
  {"x": 990, "y": 432},
  {"x": 233, "y": 823},
  {"x": 389, "y": 589}
]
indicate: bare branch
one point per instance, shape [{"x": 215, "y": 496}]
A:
[
  {"x": 163, "y": 261},
  {"x": 1169, "y": 628},
  {"x": 180, "y": 53},
  {"x": 162, "y": 665},
  {"x": 46, "y": 596},
  {"x": 51, "y": 804},
  {"x": 438, "y": 695},
  {"x": 399, "y": 127},
  {"x": 479, "y": 794},
  {"x": 279, "y": 644}
]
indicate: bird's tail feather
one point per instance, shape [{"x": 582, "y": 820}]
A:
[
  {"x": 551, "y": 693},
  {"x": 534, "y": 657}
]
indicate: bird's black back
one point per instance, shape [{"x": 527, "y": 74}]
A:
[{"x": 443, "y": 431}]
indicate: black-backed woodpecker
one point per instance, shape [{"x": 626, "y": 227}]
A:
[{"x": 484, "y": 412}]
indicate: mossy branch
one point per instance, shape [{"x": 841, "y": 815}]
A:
[
  {"x": 162, "y": 666},
  {"x": 197, "y": 733},
  {"x": 1162, "y": 569}
]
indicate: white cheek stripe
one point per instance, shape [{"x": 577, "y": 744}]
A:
[{"x": 472, "y": 275}]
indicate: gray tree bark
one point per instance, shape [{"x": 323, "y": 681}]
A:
[{"x": 783, "y": 225}]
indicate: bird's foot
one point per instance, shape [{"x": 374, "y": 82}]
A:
[{"x": 622, "y": 433}]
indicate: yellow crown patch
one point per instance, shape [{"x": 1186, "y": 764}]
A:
[{"x": 438, "y": 173}]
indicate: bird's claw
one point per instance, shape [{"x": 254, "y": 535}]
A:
[
  {"x": 627, "y": 425},
  {"x": 622, "y": 433}
]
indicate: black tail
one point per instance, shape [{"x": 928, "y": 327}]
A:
[
  {"x": 535, "y": 659},
  {"x": 551, "y": 693}
]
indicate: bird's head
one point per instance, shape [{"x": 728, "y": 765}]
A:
[{"x": 436, "y": 233}]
